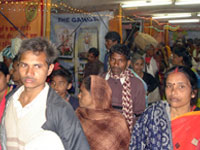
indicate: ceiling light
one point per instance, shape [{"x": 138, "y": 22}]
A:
[
  {"x": 146, "y": 3},
  {"x": 198, "y": 14},
  {"x": 187, "y": 2},
  {"x": 175, "y": 15},
  {"x": 184, "y": 21}
]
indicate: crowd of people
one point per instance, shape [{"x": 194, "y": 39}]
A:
[{"x": 135, "y": 101}]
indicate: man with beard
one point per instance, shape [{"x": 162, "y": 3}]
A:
[
  {"x": 128, "y": 93},
  {"x": 35, "y": 106}
]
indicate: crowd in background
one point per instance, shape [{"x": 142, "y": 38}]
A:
[{"x": 135, "y": 99}]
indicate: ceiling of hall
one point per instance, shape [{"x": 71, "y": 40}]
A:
[{"x": 101, "y": 5}]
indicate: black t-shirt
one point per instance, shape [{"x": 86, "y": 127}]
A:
[{"x": 150, "y": 81}]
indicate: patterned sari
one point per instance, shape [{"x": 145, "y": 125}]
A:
[
  {"x": 152, "y": 131},
  {"x": 155, "y": 130}
]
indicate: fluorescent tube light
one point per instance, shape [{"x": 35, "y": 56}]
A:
[
  {"x": 175, "y": 15},
  {"x": 198, "y": 14},
  {"x": 187, "y": 2},
  {"x": 144, "y": 3},
  {"x": 184, "y": 21}
]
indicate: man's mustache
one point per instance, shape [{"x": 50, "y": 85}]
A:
[
  {"x": 116, "y": 68},
  {"x": 28, "y": 78}
]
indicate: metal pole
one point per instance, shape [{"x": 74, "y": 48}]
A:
[{"x": 12, "y": 24}]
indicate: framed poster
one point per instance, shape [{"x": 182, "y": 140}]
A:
[
  {"x": 65, "y": 41},
  {"x": 86, "y": 39}
]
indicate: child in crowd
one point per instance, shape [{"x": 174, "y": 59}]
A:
[
  {"x": 14, "y": 73},
  {"x": 61, "y": 82}
]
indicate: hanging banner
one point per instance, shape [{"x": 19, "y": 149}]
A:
[
  {"x": 79, "y": 32},
  {"x": 25, "y": 16},
  {"x": 75, "y": 34}
]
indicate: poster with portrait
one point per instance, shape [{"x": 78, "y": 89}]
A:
[
  {"x": 86, "y": 39},
  {"x": 64, "y": 41},
  {"x": 74, "y": 34}
]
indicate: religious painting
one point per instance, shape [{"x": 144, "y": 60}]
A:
[
  {"x": 86, "y": 39},
  {"x": 65, "y": 41}
]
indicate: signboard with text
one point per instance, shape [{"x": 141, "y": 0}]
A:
[{"x": 24, "y": 15}]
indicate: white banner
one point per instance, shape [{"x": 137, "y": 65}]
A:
[
  {"x": 80, "y": 32},
  {"x": 75, "y": 34}
]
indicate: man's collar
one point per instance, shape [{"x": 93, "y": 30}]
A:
[{"x": 122, "y": 80}]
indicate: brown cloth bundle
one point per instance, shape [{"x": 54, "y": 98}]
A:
[
  {"x": 142, "y": 40},
  {"x": 104, "y": 127}
]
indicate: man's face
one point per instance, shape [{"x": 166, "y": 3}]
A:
[
  {"x": 118, "y": 63},
  {"x": 110, "y": 43},
  {"x": 177, "y": 60},
  {"x": 150, "y": 52},
  {"x": 91, "y": 57},
  {"x": 33, "y": 70},
  {"x": 3, "y": 81}
]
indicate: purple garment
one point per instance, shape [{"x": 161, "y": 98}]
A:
[{"x": 137, "y": 94}]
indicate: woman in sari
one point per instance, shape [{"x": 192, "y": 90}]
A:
[
  {"x": 182, "y": 57},
  {"x": 172, "y": 124},
  {"x": 104, "y": 127}
]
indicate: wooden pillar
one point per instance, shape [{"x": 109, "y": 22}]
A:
[
  {"x": 115, "y": 24},
  {"x": 48, "y": 19},
  {"x": 120, "y": 22},
  {"x": 151, "y": 25},
  {"x": 167, "y": 35}
]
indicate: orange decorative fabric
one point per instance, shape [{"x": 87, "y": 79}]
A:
[{"x": 186, "y": 131}]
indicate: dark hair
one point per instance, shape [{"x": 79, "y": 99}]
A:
[
  {"x": 62, "y": 72},
  {"x": 162, "y": 44},
  {"x": 39, "y": 45},
  {"x": 120, "y": 49},
  {"x": 114, "y": 36},
  {"x": 190, "y": 41},
  {"x": 93, "y": 68},
  {"x": 15, "y": 58},
  {"x": 94, "y": 51},
  {"x": 4, "y": 68},
  {"x": 190, "y": 76},
  {"x": 87, "y": 83},
  {"x": 182, "y": 52}
]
